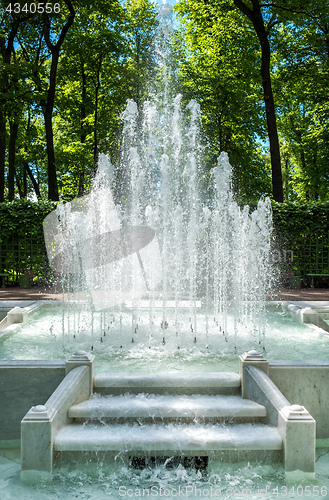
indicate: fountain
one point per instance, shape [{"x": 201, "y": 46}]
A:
[
  {"x": 157, "y": 262},
  {"x": 159, "y": 232},
  {"x": 166, "y": 245}
]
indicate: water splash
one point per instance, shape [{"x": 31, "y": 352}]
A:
[
  {"x": 151, "y": 233},
  {"x": 167, "y": 242}
]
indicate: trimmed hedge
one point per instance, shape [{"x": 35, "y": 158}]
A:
[
  {"x": 301, "y": 238},
  {"x": 295, "y": 219},
  {"x": 22, "y": 246},
  {"x": 301, "y": 232},
  {"x": 24, "y": 217}
]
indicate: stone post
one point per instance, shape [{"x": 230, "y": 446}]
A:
[
  {"x": 16, "y": 315},
  {"x": 81, "y": 358},
  {"x": 37, "y": 445},
  {"x": 297, "y": 429},
  {"x": 41, "y": 423},
  {"x": 251, "y": 358}
]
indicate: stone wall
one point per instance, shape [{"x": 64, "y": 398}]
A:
[
  {"x": 24, "y": 384},
  {"x": 28, "y": 383},
  {"x": 305, "y": 383}
]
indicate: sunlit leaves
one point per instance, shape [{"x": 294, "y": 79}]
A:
[{"x": 220, "y": 65}]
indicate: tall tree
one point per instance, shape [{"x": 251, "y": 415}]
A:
[
  {"x": 141, "y": 19},
  {"x": 219, "y": 55},
  {"x": 301, "y": 83},
  {"x": 10, "y": 24},
  {"x": 48, "y": 105},
  {"x": 90, "y": 93},
  {"x": 255, "y": 15}
]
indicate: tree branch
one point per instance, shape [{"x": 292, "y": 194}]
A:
[
  {"x": 65, "y": 29},
  {"x": 244, "y": 8}
]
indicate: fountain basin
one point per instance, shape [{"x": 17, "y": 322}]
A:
[{"x": 296, "y": 379}]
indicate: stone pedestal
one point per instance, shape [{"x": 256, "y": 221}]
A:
[
  {"x": 81, "y": 358},
  {"x": 297, "y": 428},
  {"x": 16, "y": 315},
  {"x": 42, "y": 422},
  {"x": 37, "y": 452},
  {"x": 251, "y": 358}
]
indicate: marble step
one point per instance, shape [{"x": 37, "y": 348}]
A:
[
  {"x": 167, "y": 407},
  {"x": 170, "y": 439},
  {"x": 170, "y": 383}
]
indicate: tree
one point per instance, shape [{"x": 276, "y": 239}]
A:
[
  {"x": 141, "y": 25},
  {"x": 48, "y": 104},
  {"x": 301, "y": 83},
  {"x": 255, "y": 15},
  {"x": 89, "y": 94},
  {"x": 219, "y": 54},
  {"x": 52, "y": 24},
  {"x": 10, "y": 24}
]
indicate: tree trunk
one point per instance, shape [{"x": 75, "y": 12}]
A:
[
  {"x": 255, "y": 16},
  {"x": 271, "y": 121},
  {"x": 49, "y": 105},
  {"x": 48, "y": 116},
  {"x": 11, "y": 159},
  {"x": 34, "y": 182},
  {"x": 6, "y": 52},
  {"x": 2, "y": 154}
]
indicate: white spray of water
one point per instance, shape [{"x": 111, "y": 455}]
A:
[{"x": 166, "y": 241}]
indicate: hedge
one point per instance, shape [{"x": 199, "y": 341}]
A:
[
  {"x": 22, "y": 246},
  {"x": 301, "y": 232},
  {"x": 301, "y": 238}
]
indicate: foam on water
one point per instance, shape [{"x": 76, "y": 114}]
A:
[
  {"x": 42, "y": 338},
  {"x": 102, "y": 481}
]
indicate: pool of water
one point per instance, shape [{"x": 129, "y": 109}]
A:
[
  {"x": 42, "y": 337},
  {"x": 103, "y": 481}
]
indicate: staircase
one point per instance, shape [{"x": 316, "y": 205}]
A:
[{"x": 194, "y": 415}]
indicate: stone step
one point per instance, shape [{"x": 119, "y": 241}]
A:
[
  {"x": 167, "y": 407},
  {"x": 171, "y": 383},
  {"x": 170, "y": 439}
]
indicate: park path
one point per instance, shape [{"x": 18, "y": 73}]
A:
[{"x": 36, "y": 293}]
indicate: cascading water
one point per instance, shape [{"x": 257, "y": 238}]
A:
[
  {"x": 150, "y": 236},
  {"x": 165, "y": 243}
]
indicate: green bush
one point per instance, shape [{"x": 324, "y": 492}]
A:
[
  {"x": 23, "y": 217},
  {"x": 300, "y": 238},
  {"x": 22, "y": 246}
]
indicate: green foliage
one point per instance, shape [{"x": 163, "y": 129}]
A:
[
  {"x": 22, "y": 218},
  {"x": 219, "y": 57},
  {"x": 301, "y": 217},
  {"x": 301, "y": 85},
  {"x": 105, "y": 59},
  {"x": 301, "y": 232},
  {"x": 108, "y": 56}
]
